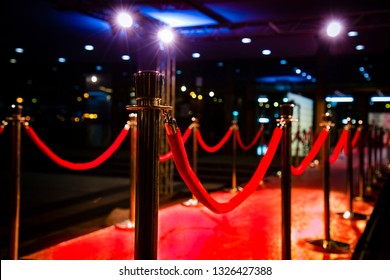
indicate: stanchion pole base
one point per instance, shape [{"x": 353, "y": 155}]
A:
[
  {"x": 365, "y": 198},
  {"x": 352, "y": 216},
  {"x": 191, "y": 203},
  {"x": 234, "y": 190},
  {"x": 330, "y": 246},
  {"x": 126, "y": 225}
]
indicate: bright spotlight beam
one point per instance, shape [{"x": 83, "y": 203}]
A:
[
  {"x": 124, "y": 20},
  {"x": 166, "y": 35},
  {"x": 333, "y": 29}
]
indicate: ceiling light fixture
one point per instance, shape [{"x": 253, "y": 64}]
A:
[{"x": 266, "y": 52}]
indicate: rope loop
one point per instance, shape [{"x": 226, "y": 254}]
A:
[{"x": 76, "y": 166}]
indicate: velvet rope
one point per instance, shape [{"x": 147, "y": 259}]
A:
[
  {"x": 191, "y": 180},
  {"x": 356, "y": 138},
  {"x": 168, "y": 155},
  {"x": 313, "y": 152},
  {"x": 77, "y": 166},
  {"x": 215, "y": 148},
  {"x": 340, "y": 144},
  {"x": 241, "y": 144},
  {"x": 354, "y": 142}
]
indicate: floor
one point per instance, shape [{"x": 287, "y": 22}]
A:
[{"x": 251, "y": 231}]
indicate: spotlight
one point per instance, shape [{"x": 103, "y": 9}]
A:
[
  {"x": 165, "y": 35},
  {"x": 124, "y": 19},
  {"x": 333, "y": 29}
]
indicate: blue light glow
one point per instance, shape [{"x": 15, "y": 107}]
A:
[
  {"x": 380, "y": 99},
  {"x": 178, "y": 18},
  {"x": 337, "y": 99},
  {"x": 275, "y": 79},
  {"x": 283, "y": 62}
]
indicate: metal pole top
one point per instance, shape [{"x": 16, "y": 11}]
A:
[
  {"x": 286, "y": 111},
  {"x": 327, "y": 121},
  {"x": 148, "y": 85}
]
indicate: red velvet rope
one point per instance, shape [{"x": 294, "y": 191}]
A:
[
  {"x": 216, "y": 147},
  {"x": 168, "y": 155},
  {"x": 340, "y": 144},
  {"x": 191, "y": 180},
  {"x": 313, "y": 152},
  {"x": 354, "y": 142},
  {"x": 356, "y": 138},
  {"x": 241, "y": 144},
  {"x": 77, "y": 166}
]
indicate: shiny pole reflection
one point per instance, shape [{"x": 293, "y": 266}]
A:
[
  {"x": 350, "y": 214},
  {"x": 286, "y": 113},
  {"x": 148, "y": 85},
  {"x": 16, "y": 120},
  {"x": 327, "y": 244}
]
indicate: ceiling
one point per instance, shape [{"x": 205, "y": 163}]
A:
[{"x": 292, "y": 30}]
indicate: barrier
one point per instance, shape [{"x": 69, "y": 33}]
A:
[
  {"x": 129, "y": 224},
  {"x": 349, "y": 213},
  {"x": 145, "y": 157},
  {"x": 148, "y": 87},
  {"x": 71, "y": 165},
  {"x": 327, "y": 244},
  {"x": 16, "y": 120},
  {"x": 180, "y": 158},
  {"x": 286, "y": 113},
  {"x": 195, "y": 127}
]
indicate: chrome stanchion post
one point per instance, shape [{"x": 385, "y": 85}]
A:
[
  {"x": 349, "y": 214},
  {"x": 132, "y": 123},
  {"x": 375, "y": 164},
  {"x": 195, "y": 125},
  {"x": 369, "y": 180},
  {"x": 148, "y": 89},
  {"x": 16, "y": 120},
  {"x": 286, "y": 113},
  {"x": 362, "y": 178},
  {"x": 234, "y": 187},
  {"x": 327, "y": 244},
  {"x": 380, "y": 156}
]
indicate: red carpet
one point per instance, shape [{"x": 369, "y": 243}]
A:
[{"x": 251, "y": 231}]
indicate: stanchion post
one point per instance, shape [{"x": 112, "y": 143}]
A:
[
  {"x": 286, "y": 113},
  {"x": 327, "y": 244},
  {"x": 380, "y": 150},
  {"x": 234, "y": 187},
  {"x": 369, "y": 160},
  {"x": 148, "y": 89},
  {"x": 16, "y": 120},
  {"x": 195, "y": 126},
  {"x": 361, "y": 163},
  {"x": 130, "y": 223},
  {"x": 375, "y": 164},
  {"x": 362, "y": 195},
  {"x": 350, "y": 214}
]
